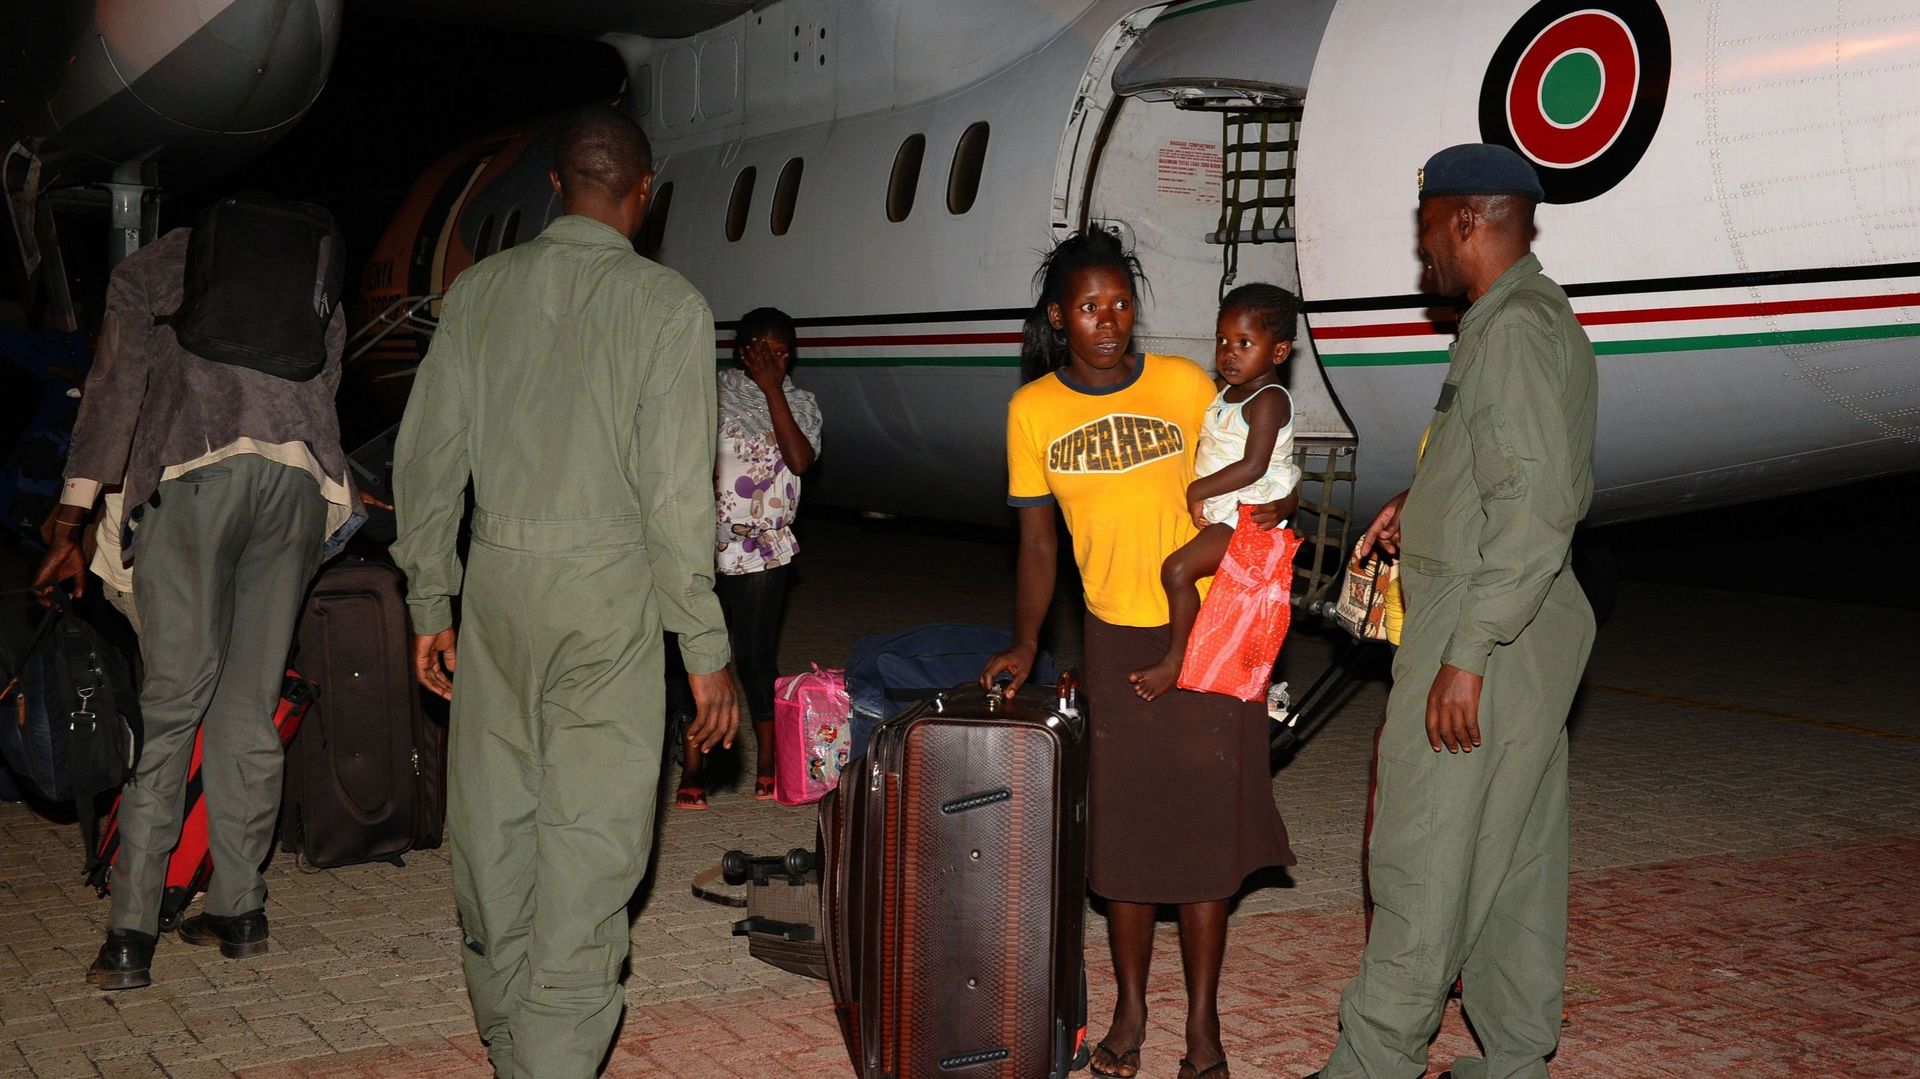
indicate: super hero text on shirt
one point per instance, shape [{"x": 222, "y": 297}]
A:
[{"x": 1115, "y": 443}]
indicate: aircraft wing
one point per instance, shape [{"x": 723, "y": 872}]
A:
[{"x": 648, "y": 18}]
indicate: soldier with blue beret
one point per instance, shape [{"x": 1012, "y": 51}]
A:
[{"x": 1468, "y": 855}]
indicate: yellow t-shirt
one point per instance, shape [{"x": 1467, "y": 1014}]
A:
[{"x": 1118, "y": 460}]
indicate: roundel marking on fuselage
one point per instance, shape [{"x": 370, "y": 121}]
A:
[{"x": 1579, "y": 87}]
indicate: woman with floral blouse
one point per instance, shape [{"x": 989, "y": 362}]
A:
[{"x": 769, "y": 438}]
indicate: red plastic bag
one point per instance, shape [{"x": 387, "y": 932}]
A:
[{"x": 1245, "y": 616}]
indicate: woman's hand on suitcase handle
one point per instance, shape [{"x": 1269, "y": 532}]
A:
[
  {"x": 1015, "y": 662},
  {"x": 716, "y": 702},
  {"x": 434, "y": 658}
]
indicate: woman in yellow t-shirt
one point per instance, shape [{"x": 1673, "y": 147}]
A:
[{"x": 1180, "y": 800}]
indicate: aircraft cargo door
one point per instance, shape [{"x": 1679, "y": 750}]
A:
[
  {"x": 1160, "y": 178},
  {"x": 1195, "y": 169}
]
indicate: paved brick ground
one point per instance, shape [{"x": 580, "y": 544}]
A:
[{"x": 1746, "y": 840}]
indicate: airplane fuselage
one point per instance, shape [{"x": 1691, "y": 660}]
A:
[{"x": 1732, "y": 207}]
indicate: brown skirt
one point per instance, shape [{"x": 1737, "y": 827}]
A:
[{"x": 1180, "y": 799}]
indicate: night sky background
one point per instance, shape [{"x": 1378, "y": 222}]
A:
[{"x": 403, "y": 92}]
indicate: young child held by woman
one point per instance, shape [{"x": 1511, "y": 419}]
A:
[{"x": 1245, "y": 455}]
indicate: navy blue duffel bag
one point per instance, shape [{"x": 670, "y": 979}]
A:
[{"x": 889, "y": 672}]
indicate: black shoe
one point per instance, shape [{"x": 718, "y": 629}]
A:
[
  {"x": 241, "y": 936},
  {"x": 125, "y": 961}
]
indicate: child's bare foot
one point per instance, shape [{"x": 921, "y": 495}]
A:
[{"x": 1156, "y": 680}]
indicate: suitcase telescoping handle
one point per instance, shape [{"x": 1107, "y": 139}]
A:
[
  {"x": 997, "y": 695},
  {"x": 1066, "y": 702}
]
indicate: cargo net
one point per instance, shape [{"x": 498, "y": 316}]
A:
[
  {"x": 1257, "y": 148},
  {"x": 1324, "y": 521}
]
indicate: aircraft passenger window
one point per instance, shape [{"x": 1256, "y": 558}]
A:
[
  {"x": 785, "y": 194},
  {"x": 737, "y": 206},
  {"x": 963, "y": 180},
  {"x": 656, "y": 230},
  {"x": 483, "y": 244},
  {"x": 510, "y": 232},
  {"x": 906, "y": 177}
]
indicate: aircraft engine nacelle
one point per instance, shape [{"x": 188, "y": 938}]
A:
[{"x": 153, "y": 94}]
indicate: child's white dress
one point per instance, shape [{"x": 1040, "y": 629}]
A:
[{"x": 1223, "y": 440}]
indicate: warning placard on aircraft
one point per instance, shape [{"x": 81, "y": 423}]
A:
[{"x": 1187, "y": 172}]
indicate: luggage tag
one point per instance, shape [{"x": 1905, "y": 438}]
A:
[{"x": 85, "y": 711}]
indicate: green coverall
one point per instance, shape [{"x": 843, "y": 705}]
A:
[
  {"x": 1469, "y": 850},
  {"x": 573, "y": 381}
]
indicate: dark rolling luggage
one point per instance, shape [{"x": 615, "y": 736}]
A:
[
  {"x": 366, "y": 776},
  {"x": 782, "y": 905},
  {"x": 191, "y": 866},
  {"x": 954, "y": 881}
]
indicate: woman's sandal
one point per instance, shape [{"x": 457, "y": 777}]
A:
[
  {"x": 690, "y": 796},
  {"x": 1187, "y": 1071},
  {"x": 762, "y": 788},
  {"x": 1125, "y": 1065}
]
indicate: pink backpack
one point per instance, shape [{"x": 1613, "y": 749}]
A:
[{"x": 810, "y": 736}]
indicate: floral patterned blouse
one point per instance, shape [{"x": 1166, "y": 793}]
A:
[{"x": 755, "y": 495}]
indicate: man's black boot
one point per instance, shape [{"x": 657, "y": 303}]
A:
[
  {"x": 125, "y": 961},
  {"x": 240, "y": 936}
]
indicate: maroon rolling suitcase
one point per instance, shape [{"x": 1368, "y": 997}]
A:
[
  {"x": 366, "y": 776},
  {"x": 953, "y": 892}
]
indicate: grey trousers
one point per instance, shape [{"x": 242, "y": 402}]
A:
[{"x": 223, "y": 562}]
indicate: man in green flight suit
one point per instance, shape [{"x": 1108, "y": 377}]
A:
[
  {"x": 1468, "y": 857},
  {"x": 572, "y": 381}
]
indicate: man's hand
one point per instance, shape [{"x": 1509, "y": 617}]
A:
[
  {"x": 716, "y": 702},
  {"x": 1270, "y": 514},
  {"x": 434, "y": 658},
  {"x": 65, "y": 559},
  {"x": 766, "y": 364},
  {"x": 1016, "y": 662},
  {"x": 1199, "y": 511},
  {"x": 1385, "y": 530},
  {"x": 1453, "y": 710}
]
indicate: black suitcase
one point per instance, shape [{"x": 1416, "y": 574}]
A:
[
  {"x": 954, "y": 881},
  {"x": 366, "y": 774},
  {"x": 69, "y": 716}
]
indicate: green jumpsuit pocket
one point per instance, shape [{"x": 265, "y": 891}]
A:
[
  {"x": 1400, "y": 854},
  {"x": 577, "y": 979},
  {"x": 1496, "y": 468}
]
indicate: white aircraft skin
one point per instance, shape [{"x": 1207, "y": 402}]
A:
[{"x": 1745, "y": 253}]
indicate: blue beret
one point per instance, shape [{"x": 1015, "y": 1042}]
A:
[{"x": 1479, "y": 168}]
